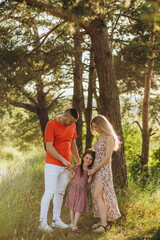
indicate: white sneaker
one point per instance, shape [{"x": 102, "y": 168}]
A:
[
  {"x": 73, "y": 228},
  {"x": 45, "y": 227},
  {"x": 59, "y": 223}
]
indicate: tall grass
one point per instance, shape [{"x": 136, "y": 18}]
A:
[{"x": 21, "y": 192}]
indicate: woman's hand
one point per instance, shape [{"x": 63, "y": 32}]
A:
[{"x": 91, "y": 172}]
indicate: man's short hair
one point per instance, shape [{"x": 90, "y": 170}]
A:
[{"x": 72, "y": 112}]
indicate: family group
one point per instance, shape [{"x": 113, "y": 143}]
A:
[{"x": 93, "y": 168}]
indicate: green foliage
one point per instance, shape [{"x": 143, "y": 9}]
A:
[
  {"x": 32, "y": 81},
  {"x": 132, "y": 144},
  {"x": 135, "y": 168},
  {"x": 132, "y": 140},
  {"x": 156, "y": 155},
  {"x": 155, "y": 166},
  {"x": 9, "y": 154}
]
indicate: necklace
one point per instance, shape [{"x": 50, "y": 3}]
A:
[
  {"x": 59, "y": 120},
  {"x": 101, "y": 138}
]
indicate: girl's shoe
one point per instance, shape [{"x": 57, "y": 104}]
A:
[
  {"x": 73, "y": 228},
  {"x": 101, "y": 228},
  {"x": 71, "y": 225},
  {"x": 96, "y": 225}
]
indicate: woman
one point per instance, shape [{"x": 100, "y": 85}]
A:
[{"x": 104, "y": 199}]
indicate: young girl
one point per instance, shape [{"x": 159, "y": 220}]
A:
[{"x": 76, "y": 199}]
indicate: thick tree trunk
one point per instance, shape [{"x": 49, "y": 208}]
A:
[
  {"x": 109, "y": 96},
  {"x": 42, "y": 111},
  {"x": 145, "y": 113},
  {"x": 43, "y": 118},
  {"x": 88, "y": 110},
  {"x": 78, "y": 88}
]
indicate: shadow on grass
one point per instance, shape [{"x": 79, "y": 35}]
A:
[
  {"x": 156, "y": 235},
  {"x": 150, "y": 235}
]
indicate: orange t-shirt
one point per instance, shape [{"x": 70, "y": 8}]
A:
[{"x": 61, "y": 136}]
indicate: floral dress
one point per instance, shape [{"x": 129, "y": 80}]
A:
[
  {"x": 105, "y": 173},
  {"x": 76, "y": 198}
]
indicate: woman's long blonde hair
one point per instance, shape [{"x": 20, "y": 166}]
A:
[{"x": 102, "y": 123}]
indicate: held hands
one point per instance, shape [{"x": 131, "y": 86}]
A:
[
  {"x": 67, "y": 164},
  {"x": 91, "y": 172}
]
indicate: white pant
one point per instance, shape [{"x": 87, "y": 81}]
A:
[{"x": 56, "y": 180}]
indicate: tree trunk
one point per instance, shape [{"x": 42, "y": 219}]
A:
[
  {"x": 88, "y": 110},
  {"x": 42, "y": 111},
  {"x": 109, "y": 96},
  {"x": 78, "y": 88},
  {"x": 43, "y": 118},
  {"x": 145, "y": 112}
]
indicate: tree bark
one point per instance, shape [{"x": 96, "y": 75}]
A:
[
  {"x": 88, "y": 110},
  {"x": 145, "y": 112},
  {"x": 109, "y": 96},
  {"x": 42, "y": 111},
  {"x": 78, "y": 88}
]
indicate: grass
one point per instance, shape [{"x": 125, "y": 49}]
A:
[{"x": 21, "y": 192}]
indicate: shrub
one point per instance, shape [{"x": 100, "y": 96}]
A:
[{"x": 155, "y": 166}]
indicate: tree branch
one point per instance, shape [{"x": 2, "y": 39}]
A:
[
  {"x": 54, "y": 11},
  {"x": 45, "y": 36},
  {"x": 54, "y": 101},
  {"x": 127, "y": 16},
  {"x": 28, "y": 96},
  {"x": 138, "y": 125},
  {"x": 114, "y": 27},
  {"x": 26, "y": 106}
]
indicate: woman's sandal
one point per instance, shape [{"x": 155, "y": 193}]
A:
[
  {"x": 96, "y": 225},
  {"x": 101, "y": 228}
]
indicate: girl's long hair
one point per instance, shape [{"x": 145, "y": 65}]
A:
[
  {"x": 92, "y": 153},
  {"x": 102, "y": 123}
]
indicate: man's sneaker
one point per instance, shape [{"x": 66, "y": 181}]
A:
[
  {"x": 45, "y": 227},
  {"x": 59, "y": 223}
]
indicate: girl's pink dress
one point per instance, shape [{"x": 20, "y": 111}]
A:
[
  {"x": 105, "y": 173},
  {"x": 76, "y": 198}
]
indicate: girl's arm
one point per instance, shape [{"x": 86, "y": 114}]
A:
[
  {"x": 109, "y": 150},
  {"x": 90, "y": 179},
  {"x": 74, "y": 151},
  {"x": 71, "y": 174}
]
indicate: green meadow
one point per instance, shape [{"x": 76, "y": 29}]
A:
[{"x": 21, "y": 190}]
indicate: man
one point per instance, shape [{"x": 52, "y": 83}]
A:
[{"x": 60, "y": 135}]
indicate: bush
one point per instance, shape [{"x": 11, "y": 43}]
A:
[
  {"x": 155, "y": 166},
  {"x": 132, "y": 141},
  {"x": 134, "y": 169}
]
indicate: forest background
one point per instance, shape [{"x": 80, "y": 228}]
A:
[{"x": 102, "y": 57}]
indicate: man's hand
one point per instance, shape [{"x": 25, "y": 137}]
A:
[
  {"x": 67, "y": 164},
  {"x": 69, "y": 167}
]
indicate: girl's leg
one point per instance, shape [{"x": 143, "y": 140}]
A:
[
  {"x": 76, "y": 218},
  {"x": 72, "y": 214},
  {"x": 98, "y": 197}
]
